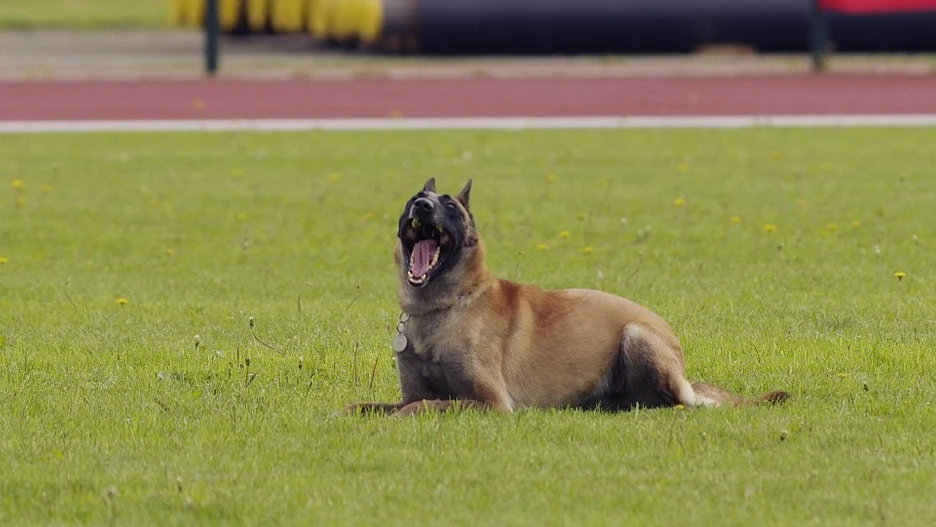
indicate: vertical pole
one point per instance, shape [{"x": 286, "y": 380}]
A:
[
  {"x": 212, "y": 28},
  {"x": 819, "y": 36}
]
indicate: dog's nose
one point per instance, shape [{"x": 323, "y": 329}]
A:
[{"x": 422, "y": 205}]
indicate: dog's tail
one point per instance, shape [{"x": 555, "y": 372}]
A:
[{"x": 711, "y": 395}]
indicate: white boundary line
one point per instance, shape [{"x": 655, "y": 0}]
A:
[{"x": 468, "y": 123}]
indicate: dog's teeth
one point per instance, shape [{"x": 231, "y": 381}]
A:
[
  {"x": 439, "y": 228},
  {"x": 415, "y": 223},
  {"x": 435, "y": 257}
]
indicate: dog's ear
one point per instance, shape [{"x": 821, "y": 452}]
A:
[
  {"x": 464, "y": 197},
  {"x": 430, "y": 185}
]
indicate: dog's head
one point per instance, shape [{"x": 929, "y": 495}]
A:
[{"x": 435, "y": 233}]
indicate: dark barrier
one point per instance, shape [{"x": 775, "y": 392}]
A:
[
  {"x": 641, "y": 26},
  {"x": 584, "y": 26}
]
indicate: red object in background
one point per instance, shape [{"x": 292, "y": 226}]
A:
[{"x": 877, "y": 6}]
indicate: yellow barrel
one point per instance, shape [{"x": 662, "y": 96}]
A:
[
  {"x": 194, "y": 12},
  {"x": 257, "y": 13},
  {"x": 228, "y": 15},
  {"x": 318, "y": 18},
  {"x": 339, "y": 28},
  {"x": 286, "y": 15},
  {"x": 371, "y": 23},
  {"x": 177, "y": 13},
  {"x": 347, "y": 19}
]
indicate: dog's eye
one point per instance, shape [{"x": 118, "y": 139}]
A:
[{"x": 451, "y": 205}]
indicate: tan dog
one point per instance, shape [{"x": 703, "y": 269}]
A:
[{"x": 469, "y": 339}]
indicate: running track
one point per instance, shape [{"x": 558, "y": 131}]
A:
[{"x": 778, "y": 95}]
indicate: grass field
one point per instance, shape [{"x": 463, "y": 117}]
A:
[
  {"x": 84, "y": 14},
  {"x": 133, "y": 263}
]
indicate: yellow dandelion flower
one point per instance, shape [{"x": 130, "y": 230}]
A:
[
  {"x": 832, "y": 227},
  {"x": 680, "y": 202},
  {"x": 582, "y": 215},
  {"x": 769, "y": 228},
  {"x": 682, "y": 167},
  {"x": 122, "y": 301},
  {"x": 679, "y": 407},
  {"x": 775, "y": 156},
  {"x": 21, "y": 201},
  {"x": 588, "y": 250},
  {"x": 334, "y": 177},
  {"x": 4, "y": 259},
  {"x": 856, "y": 224},
  {"x": 169, "y": 252},
  {"x": 369, "y": 216},
  {"x": 18, "y": 185},
  {"x": 542, "y": 247},
  {"x": 552, "y": 178},
  {"x": 736, "y": 219},
  {"x": 564, "y": 234},
  {"x": 46, "y": 189},
  {"x": 900, "y": 275},
  {"x": 242, "y": 216},
  {"x": 236, "y": 173},
  {"x": 827, "y": 167}
]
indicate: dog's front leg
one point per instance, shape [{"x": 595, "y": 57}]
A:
[
  {"x": 372, "y": 408},
  {"x": 444, "y": 405},
  {"x": 484, "y": 399},
  {"x": 413, "y": 387}
]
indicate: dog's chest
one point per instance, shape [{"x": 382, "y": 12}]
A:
[{"x": 437, "y": 358}]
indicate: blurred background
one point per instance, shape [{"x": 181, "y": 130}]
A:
[{"x": 298, "y": 37}]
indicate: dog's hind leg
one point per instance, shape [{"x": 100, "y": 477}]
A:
[{"x": 648, "y": 372}]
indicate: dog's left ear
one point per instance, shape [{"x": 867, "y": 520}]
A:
[
  {"x": 430, "y": 185},
  {"x": 464, "y": 196}
]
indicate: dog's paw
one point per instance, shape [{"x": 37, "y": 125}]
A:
[
  {"x": 410, "y": 409},
  {"x": 368, "y": 409}
]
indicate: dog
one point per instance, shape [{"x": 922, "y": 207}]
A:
[{"x": 467, "y": 339}]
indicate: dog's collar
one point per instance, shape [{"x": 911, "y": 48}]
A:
[{"x": 399, "y": 340}]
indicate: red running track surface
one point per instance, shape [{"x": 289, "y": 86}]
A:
[{"x": 482, "y": 97}]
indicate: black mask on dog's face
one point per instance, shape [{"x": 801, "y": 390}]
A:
[{"x": 433, "y": 229}]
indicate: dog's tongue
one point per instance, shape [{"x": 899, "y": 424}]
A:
[{"x": 422, "y": 256}]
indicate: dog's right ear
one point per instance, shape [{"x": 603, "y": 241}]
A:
[
  {"x": 464, "y": 197},
  {"x": 430, "y": 185}
]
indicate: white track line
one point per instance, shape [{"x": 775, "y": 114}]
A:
[{"x": 480, "y": 123}]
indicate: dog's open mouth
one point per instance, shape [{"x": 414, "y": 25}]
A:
[{"x": 428, "y": 245}]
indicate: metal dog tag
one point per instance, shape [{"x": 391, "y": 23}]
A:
[{"x": 399, "y": 343}]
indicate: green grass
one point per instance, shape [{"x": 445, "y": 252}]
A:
[
  {"x": 109, "y": 413},
  {"x": 84, "y": 14}
]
